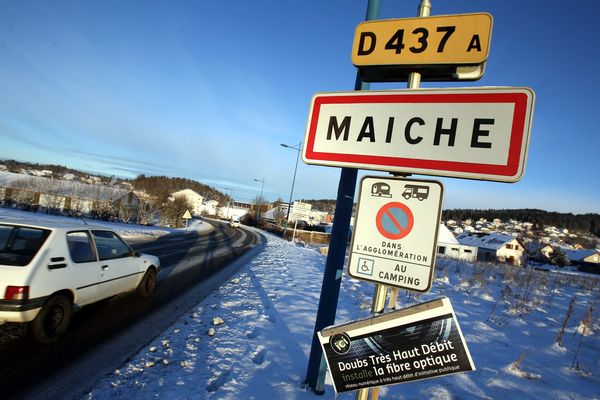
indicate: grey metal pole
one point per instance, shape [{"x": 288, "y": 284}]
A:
[
  {"x": 287, "y": 217},
  {"x": 379, "y": 297},
  {"x": 414, "y": 78},
  {"x": 414, "y": 81},
  {"x": 262, "y": 180},
  {"x": 229, "y": 202}
]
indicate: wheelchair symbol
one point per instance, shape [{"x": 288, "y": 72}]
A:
[{"x": 365, "y": 266}]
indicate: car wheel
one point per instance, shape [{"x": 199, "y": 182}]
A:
[
  {"x": 52, "y": 320},
  {"x": 148, "y": 284}
]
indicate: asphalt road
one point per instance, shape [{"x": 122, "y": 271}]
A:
[{"x": 103, "y": 335}]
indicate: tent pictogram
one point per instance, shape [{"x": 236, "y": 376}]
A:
[{"x": 394, "y": 220}]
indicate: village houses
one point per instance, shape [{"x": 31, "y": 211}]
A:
[{"x": 496, "y": 246}]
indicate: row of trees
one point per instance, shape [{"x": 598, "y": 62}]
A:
[
  {"x": 54, "y": 196},
  {"x": 584, "y": 223},
  {"x": 326, "y": 205}
]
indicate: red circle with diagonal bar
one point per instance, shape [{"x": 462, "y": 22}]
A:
[{"x": 394, "y": 220}]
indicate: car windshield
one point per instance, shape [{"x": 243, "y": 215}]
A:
[{"x": 19, "y": 244}]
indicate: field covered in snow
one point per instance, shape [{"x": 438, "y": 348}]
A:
[
  {"x": 532, "y": 334},
  {"x": 250, "y": 339}
]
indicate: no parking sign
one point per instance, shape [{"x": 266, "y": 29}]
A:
[
  {"x": 395, "y": 235},
  {"x": 394, "y": 220}
]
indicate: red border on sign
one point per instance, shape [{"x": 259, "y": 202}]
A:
[
  {"x": 404, "y": 230},
  {"x": 510, "y": 169}
]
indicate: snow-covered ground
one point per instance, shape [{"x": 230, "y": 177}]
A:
[
  {"x": 250, "y": 339},
  {"x": 260, "y": 350}
]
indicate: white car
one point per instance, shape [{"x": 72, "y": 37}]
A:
[
  {"x": 49, "y": 270},
  {"x": 234, "y": 223}
]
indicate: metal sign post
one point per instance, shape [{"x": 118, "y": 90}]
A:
[{"x": 378, "y": 306}]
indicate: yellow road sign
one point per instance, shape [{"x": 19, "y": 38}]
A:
[{"x": 447, "y": 39}]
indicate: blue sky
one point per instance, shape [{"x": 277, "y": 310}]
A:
[{"x": 209, "y": 90}]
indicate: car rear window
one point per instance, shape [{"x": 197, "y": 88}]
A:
[{"x": 19, "y": 244}]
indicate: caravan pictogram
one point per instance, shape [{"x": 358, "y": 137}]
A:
[{"x": 381, "y": 189}]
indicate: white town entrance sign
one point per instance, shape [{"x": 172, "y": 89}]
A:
[{"x": 475, "y": 133}]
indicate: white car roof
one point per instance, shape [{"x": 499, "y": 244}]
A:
[{"x": 52, "y": 225}]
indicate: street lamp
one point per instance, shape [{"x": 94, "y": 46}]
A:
[
  {"x": 297, "y": 147},
  {"x": 262, "y": 180},
  {"x": 230, "y": 190}
]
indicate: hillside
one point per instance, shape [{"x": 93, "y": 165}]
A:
[
  {"x": 162, "y": 187},
  {"x": 57, "y": 170},
  {"x": 158, "y": 186}
]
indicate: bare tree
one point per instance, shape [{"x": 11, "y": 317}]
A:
[
  {"x": 172, "y": 213},
  {"x": 52, "y": 203},
  {"x": 259, "y": 201},
  {"x": 147, "y": 211},
  {"x": 124, "y": 210}
]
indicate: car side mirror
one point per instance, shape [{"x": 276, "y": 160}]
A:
[{"x": 136, "y": 253}]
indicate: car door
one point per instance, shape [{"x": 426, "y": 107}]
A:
[
  {"x": 118, "y": 268},
  {"x": 85, "y": 271}
]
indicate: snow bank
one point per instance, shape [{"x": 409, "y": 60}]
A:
[{"x": 268, "y": 309}]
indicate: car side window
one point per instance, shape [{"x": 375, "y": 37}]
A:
[
  {"x": 110, "y": 245},
  {"x": 80, "y": 247}
]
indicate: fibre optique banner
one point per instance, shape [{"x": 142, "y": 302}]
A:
[{"x": 418, "y": 342}]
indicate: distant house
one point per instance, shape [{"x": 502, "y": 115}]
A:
[
  {"x": 469, "y": 228},
  {"x": 235, "y": 210},
  {"x": 210, "y": 207},
  {"x": 448, "y": 246},
  {"x": 546, "y": 251},
  {"x": 44, "y": 172},
  {"x": 539, "y": 250},
  {"x": 195, "y": 199},
  {"x": 495, "y": 246},
  {"x": 585, "y": 260},
  {"x": 278, "y": 212}
]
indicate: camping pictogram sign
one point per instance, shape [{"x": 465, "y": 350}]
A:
[
  {"x": 395, "y": 233},
  {"x": 394, "y": 220}
]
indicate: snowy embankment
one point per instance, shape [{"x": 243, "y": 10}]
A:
[{"x": 251, "y": 337}]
